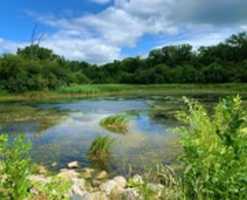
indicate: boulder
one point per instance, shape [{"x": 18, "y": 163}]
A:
[
  {"x": 73, "y": 165},
  {"x": 121, "y": 181},
  {"x": 101, "y": 175}
]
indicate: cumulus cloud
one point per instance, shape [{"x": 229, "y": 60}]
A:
[
  {"x": 99, "y": 37},
  {"x": 10, "y": 46}
]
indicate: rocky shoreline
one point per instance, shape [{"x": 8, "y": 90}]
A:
[{"x": 91, "y": 184}]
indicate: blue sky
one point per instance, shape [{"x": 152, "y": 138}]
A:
[{"x": 100, "y": 31}]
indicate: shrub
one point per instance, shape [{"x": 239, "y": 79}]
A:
[
  {"x": 215, "y": 151},
  {"x": 15, "y": 168}
]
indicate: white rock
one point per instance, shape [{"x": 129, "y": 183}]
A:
[
  {"x": 99, "y": 196},
  {"x": 39, "y": 179},
  {"x": 68, "y": 174},
  {"x": 73, "y": 165},
  {"x": 121, "y": 181},
  {"x": 137, "y": 179},
  {"x": 108, "y": 186}
]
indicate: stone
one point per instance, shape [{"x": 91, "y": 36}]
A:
[
  {"x": 73, "y": 165},
  {"x": 131, "y": 194},
  {"x": 87, "y": 173},
  {"x": 41, "y": 170},
  {"x": 54, "y": 164},
  {"x": 68, "y": 174},
  {"x": 108, "y": 186},
  {"x": 121, "y": 181},
  {"x": 102, "y": 175},
  {"x": 39, "y": 179},
  {"x": 99, "y": 196}
]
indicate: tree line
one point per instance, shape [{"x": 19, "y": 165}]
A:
[{"x": 36, "y": 68}]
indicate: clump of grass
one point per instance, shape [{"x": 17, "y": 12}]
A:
[
  {"x": 100, "y": 148},
  {"x": 117, "y": 123}
]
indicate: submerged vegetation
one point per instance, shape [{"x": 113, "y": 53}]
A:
[
  {"x": 118, "y": 123},
  {"x": 25, "y": 113},
  {"x": 100, "y": 148}
]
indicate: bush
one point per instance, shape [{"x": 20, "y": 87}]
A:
[
  {"x": 15, "y": 167},
  {"x": 215, "y": 151}
]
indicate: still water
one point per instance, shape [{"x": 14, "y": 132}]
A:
[{"x": 148, "y": 140}]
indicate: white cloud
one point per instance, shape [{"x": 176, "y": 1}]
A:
[
  {"x": 10, "y": 46},
  {"x": 99, "y": 37}
]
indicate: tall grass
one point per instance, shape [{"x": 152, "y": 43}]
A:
[{"x": 100, "y": 148}]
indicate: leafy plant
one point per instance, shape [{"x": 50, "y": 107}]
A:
[
  {"x": 56, "y": 189},
  {"x": 15, "y": 168},
  {"x": 100, "y": 148},
  {"x": 215, "y": 151}
]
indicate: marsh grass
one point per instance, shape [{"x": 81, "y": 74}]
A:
[
  {"x": 118, "y": 123},
  {"x": 100, "y": 148}
]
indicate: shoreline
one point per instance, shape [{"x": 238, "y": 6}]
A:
[{"x": 122, "y": 90}]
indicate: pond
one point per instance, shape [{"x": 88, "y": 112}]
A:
[{"x": 149, "y": 139}]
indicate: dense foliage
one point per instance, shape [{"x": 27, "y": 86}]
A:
[
  {"x": 215, "y": 151},
  {"x": 36, "y": 68},
  {"x": 15, "y": 167}
]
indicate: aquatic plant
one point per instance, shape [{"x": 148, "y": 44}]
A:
[
  {"x": 117, "y": 123},
  {"x": 100, "y": 148},
  {"x": 15, "y": 167},
  {"x": 215, "y": 151}
]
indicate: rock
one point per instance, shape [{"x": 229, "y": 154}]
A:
[
  {"x": 131, "y": 194},
  {"x": 102, "y": 175},
  {"x": 108, "y": 186},
  {"x": 96, "y": 183},
  {"x": 41, "y": 170},
  {"x": 73, "y": 165},
  {"x": 90, "y": 196},
  {"x": 68, "y": 174},
  {"x": 99, "y": 196},
  {"x": 81, "y": 196},
  {"x": 87, "y": 173},
  {"x": 39, "y": 179},
  {"x": 121, "y": 181},
  {"x": 54, "y": 164}
]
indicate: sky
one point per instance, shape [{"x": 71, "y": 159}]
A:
[{"x": 100, "y": 31}]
